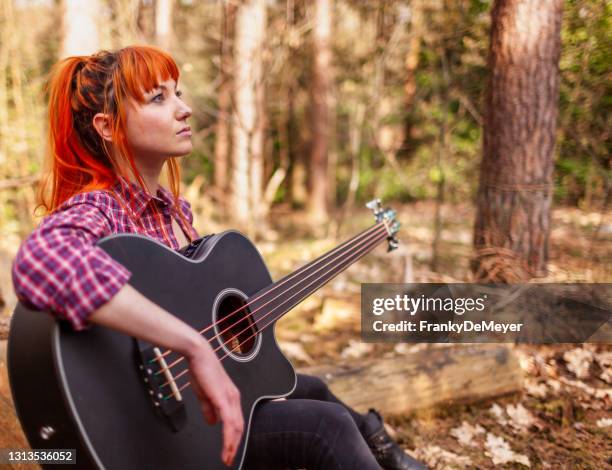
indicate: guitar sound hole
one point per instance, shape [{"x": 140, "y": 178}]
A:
[{"x": 236, "y": 328}]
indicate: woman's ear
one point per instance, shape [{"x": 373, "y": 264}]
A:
[{"x": 101, "y": 123}]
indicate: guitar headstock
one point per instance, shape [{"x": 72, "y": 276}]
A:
[{"x": 388, "y": 218}]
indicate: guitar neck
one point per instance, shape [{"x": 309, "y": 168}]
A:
[{"x": 281, "y": 296}]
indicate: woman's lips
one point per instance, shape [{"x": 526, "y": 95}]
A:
[{"x": 185, "y": 132}]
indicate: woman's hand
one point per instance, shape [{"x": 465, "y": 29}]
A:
[
  {"x": 219, "y": 397},
  {"x": 132, "y": 313}
]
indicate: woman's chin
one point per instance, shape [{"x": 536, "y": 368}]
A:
[{"x": 182, "y": 152}]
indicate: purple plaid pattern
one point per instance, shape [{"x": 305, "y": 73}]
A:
[{"x": 58, "y": 267}]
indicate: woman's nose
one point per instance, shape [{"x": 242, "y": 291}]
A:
[{"x": 184, "y": 111}]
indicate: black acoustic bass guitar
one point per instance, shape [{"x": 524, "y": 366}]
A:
[{"x": 124, "y": 404}]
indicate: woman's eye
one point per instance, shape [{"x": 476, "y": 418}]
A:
[
  {"x": 158, "y": 97},
  {"x": 179, "y": 93}
]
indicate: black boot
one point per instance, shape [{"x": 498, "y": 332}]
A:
[{"x": 389, "y": 455}]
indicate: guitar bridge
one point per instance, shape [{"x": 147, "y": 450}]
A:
[{"x": 161, "y": 385}]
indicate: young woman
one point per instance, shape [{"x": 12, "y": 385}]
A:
[{"x": 115, "y": 120}]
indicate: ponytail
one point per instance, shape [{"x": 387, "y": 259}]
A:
[{"x": 77, "y": 164}]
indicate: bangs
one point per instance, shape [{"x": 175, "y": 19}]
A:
[{"x": 143, "y": 68}]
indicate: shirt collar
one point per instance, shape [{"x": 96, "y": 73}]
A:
[{"x": 138, "y": 198}]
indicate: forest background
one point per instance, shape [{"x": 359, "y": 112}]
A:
[{"x": 305, "y": 110}]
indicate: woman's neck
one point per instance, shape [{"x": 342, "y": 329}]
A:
[{"x": 150, "y": 175}]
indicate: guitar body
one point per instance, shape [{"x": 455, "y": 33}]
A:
[{"x": 85, "y": 391}]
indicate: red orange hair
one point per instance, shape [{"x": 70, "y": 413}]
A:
[{"x": 79, "y": 160}]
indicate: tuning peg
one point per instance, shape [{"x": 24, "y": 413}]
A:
[
  {"x": 374, "y": 204},
  {"x": 388, "y": 215},
  {"x": 393, "y": 243}
]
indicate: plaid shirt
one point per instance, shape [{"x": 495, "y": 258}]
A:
[{"x": 59, "y": 268}]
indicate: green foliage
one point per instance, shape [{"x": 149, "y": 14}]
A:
[{"x": 585, "y": 105}]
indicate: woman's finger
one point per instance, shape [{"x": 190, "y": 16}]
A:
[{"x": 233, "y": 426}]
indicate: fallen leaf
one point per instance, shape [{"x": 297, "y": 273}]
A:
[
  {"x": 356, "y": 350},
  {"x": 578, "y": 361},
  {"x": 604, "y": 422},
  {"x": 605, "y": 362},
  {"x": 436, "y": 457},
  {"x": 500, "y": 452},
  {"x": 520, "y": 417},
  {"x": 604, "y": 359},
  {"x": 466, "y": 432},
  {"x": 498, "y": 414},
  {"x": 535, "y": 389},
  {"x": 406, "y": 348},
  {"x": 603, "y": 393}
]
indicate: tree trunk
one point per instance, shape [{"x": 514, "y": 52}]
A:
[
  {"x": 14, "y": 132},
  {"x": 145, "y": 21},
  {"x": 515, "y": 192},
  {"x": 411, "y": 63},
  {"x": 295, "y": 155},
  {"x": 222, "y": 138},
  {"x": 247, "y": 144},
  {"x": 126, "y": 19},
  {"x": 81, "y": 35},
  {"x": 258, "y": 205},
  {"x": 163, "y": 24},
  {"x": 320, "y": 115}
]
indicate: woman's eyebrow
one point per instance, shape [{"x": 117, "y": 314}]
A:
[{"x": 164, "y": 87}]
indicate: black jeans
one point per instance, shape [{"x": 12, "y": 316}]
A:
[{"x": 311, "y": 429}]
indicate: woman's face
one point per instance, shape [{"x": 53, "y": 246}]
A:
[{"x": 157, "y": 128}]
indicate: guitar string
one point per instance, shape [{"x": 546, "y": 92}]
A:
[
  {"x": 305, "y": 268},
  {"x": 353, "y": 257},
  {"x": 249, "y": 314},
  {"x": 360, "y": 254},
  {"x": 340, "y": 267}
]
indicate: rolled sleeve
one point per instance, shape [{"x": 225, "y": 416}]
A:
[{"x": 60, "y": 269}]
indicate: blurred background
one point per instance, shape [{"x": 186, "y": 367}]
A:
[{"x": 485, "y": 124}]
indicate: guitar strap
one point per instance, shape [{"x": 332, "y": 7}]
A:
[{"x": 188, "y": 251}]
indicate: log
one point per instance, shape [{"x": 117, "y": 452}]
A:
[
  {"x": 424, "y": 379},
  {"x": 11, "y": 434}
]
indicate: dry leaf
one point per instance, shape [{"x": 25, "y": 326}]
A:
[
  {"x": 520, "y": 417},
  {"x": 356, "y": 349},
  {"x": 579, "y": 361},
  {"x": 603, "y": 393},
  {"x": 436, "y": 457},
  {"x": 535, "y": 389},
  {"x": 406, "y": 348},
  {"x": 499, "y": 451},
  {"x": 466, "y": 433},
  {"x": 604, "y": 359},
  {"x": 498, "y": 414},
  {"x": 604, "y": 422}
]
